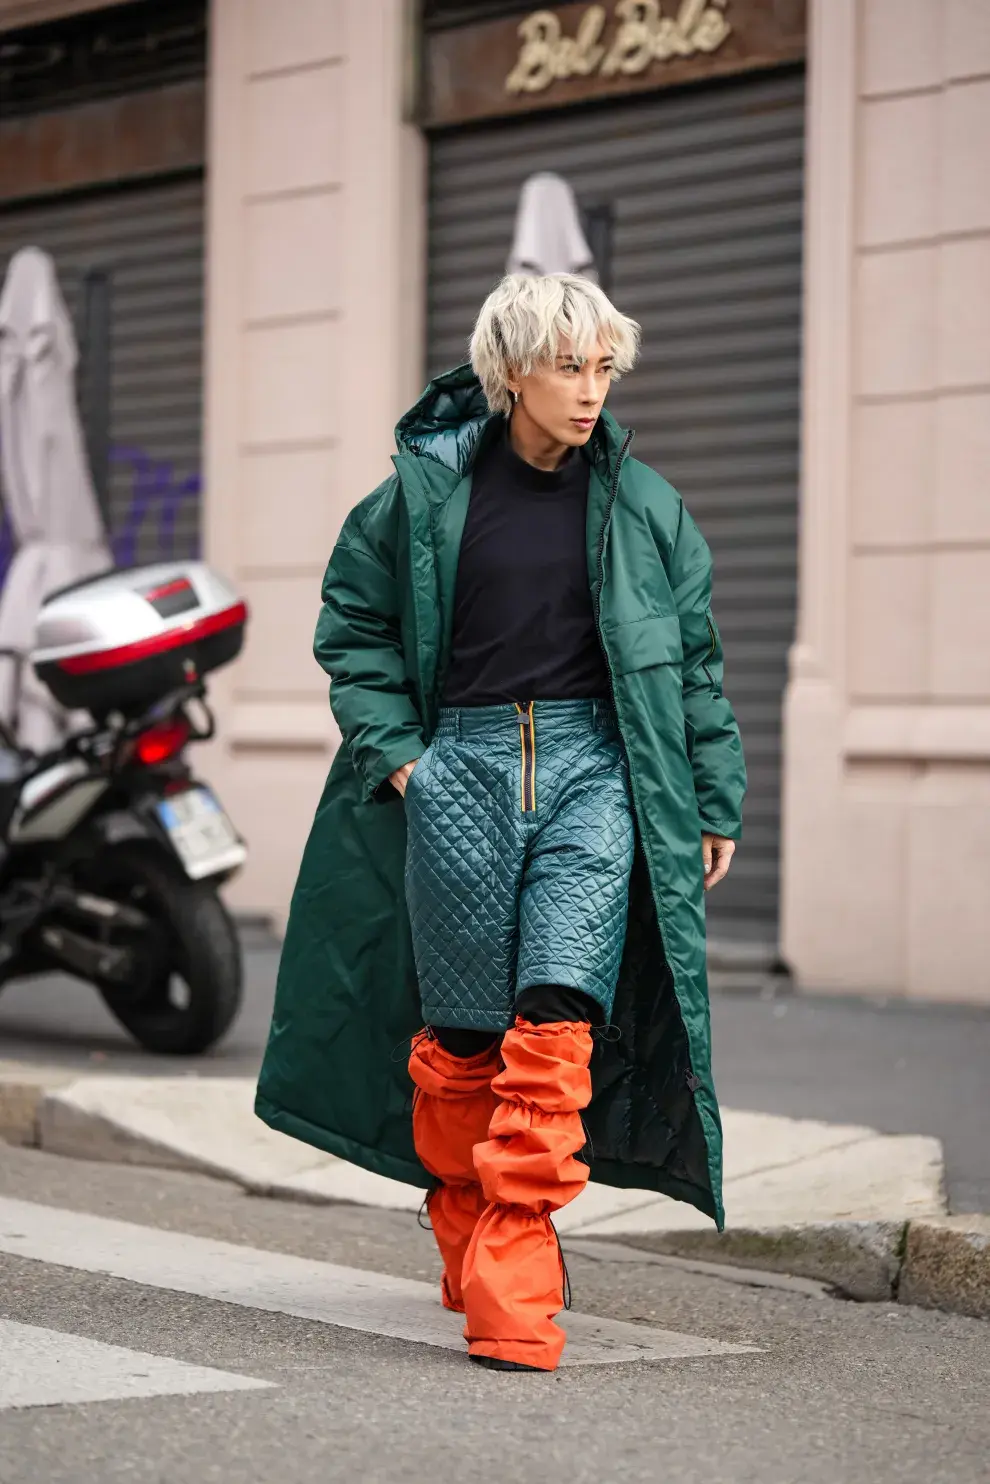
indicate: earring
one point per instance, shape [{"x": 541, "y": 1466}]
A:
[{"x": 515, "y": 396}]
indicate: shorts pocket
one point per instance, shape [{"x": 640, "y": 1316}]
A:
[{"x": 418, "y": 774}]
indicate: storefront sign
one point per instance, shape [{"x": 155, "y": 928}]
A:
[
  {"x": 573, "y": 53},
  {"x": 151, "y": 132},
  {"x": 643, "y": 35}
]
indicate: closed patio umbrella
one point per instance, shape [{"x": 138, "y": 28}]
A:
[
  {"x": 548, "y": 236},
  {"x": 45, "y": 484}
]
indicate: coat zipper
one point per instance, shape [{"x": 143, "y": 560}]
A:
[
  {"x": 608, "y": 512},
  {"x": 613, "y": 492}
]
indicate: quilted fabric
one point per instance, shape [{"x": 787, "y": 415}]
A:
[
  {"x": 502, "y": 896},
  {"x": 347, "y": 999}
]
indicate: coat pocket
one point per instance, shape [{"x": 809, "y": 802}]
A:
[{"x": 646, "y": 642}]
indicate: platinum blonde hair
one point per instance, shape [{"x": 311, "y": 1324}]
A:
[{"x": 524, "y": 320}]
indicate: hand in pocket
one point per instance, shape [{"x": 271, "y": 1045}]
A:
[{"x": 400, "y": 778}]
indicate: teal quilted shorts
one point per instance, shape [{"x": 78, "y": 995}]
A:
[{"x": 520, "y": 845}]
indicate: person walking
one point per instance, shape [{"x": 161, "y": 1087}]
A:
[{"x": 538, "y": 779}]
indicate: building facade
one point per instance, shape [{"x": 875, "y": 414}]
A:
[
  {"x": 886, "y": 860},
  {"x": 795, "y": 203}
]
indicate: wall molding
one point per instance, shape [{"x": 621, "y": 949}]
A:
[
  {"x": 918, "y": 733},
  {"x": 274, "y": 723}
]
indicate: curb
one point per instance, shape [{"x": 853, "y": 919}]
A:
[
  {"x": 947, "y": 1265},
  {"x": 23, "y": 1090},
  {"x": 77, "y": 1134},
  {"x": 859, "y": 1259},
  {"x": 933, "y": 1262}
]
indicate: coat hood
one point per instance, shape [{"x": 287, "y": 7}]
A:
[{"x": 447, "y": 423}]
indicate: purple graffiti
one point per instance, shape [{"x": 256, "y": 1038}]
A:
[
  {"x": 157, "y": 496},
  {"x": 6, "y": 546},
  {"x": 154, "y": 488}
]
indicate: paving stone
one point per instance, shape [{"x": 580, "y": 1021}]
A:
[{"x": 947, "y": 1265}]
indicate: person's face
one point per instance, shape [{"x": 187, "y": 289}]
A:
[{"x": 563, "y": 399}]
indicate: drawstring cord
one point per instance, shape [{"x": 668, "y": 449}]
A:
[
  {"x": 565, "y": 1277},
  {"x": 586, "y": 1153},
  {"x": 402, "y": 1050},
  {"x": 424, "y": 1209},
  {"x": 404, "y": 1047}
]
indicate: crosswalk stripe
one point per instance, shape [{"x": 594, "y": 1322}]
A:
[
  {"x": 374, "y": 1303},
  {"x": 46, "y": 1368}
]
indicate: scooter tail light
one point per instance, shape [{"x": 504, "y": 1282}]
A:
[{"x": 160, "y": 743}]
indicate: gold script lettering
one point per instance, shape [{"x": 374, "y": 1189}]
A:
[
  {"x": 632, "y": 49},
  {"x": 643, "y": 35},
  {"x": 581, "y": 56},
  {"x": 546, "y": 53}
]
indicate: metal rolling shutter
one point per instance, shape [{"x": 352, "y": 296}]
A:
[
  {"x": 704, "y": 189},
  {"x": 148, "y": 239}
]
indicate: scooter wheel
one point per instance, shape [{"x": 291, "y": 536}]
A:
[{"x": 187, "y": 986}]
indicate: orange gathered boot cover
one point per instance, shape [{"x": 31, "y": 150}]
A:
[
  {"x": 452, "y": 1108},
  {"x": 513, "y": 1272}
]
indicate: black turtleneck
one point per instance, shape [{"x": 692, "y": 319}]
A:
[{"x": 524, "y": 627}]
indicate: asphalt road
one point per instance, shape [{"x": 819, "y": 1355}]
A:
[
  {"x": 835, "y": 1392},
  {"x": 896, "y": 1066}
]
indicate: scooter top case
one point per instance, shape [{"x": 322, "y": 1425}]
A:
[{"x": 124, "y": 639}]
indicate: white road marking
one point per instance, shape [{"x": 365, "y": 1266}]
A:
[
  {"x": 45, "y": 1368},
  {"x": 374, "y": 1303}
]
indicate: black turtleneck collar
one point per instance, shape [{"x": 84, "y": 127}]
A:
[{"x": 539, "y": 481}]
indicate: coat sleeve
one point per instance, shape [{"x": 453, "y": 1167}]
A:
[
  {"x": 359, "y": 644},
  {"x": 714, "y": 744}
]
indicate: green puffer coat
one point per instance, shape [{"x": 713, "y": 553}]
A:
[{"x": 347, "y": 1002}]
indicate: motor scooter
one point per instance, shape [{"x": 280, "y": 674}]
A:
[{"x": 112, "y": 851}]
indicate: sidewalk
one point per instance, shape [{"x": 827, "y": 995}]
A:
[{"x": 841, "y": 1203}]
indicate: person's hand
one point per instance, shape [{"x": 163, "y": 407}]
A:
[
  {"x": 401, "y": 777},
  {"x": 717, "y": 853}
]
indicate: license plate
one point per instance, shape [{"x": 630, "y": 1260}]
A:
[{"x": 201, "y": 833}]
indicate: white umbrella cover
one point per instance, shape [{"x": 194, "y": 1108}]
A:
[
  {"x": 548, "y": 234},
  {"x": 44, "y": 480}
]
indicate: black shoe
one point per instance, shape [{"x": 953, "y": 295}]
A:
[{"x": 494, "y": 1364}]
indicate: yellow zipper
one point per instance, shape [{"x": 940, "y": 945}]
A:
[
  {"x": 705, "y": 664},
  {"x": 527, "y": 749}
]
